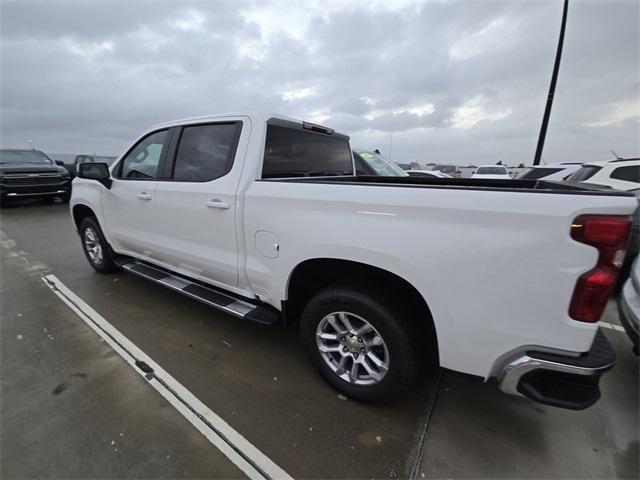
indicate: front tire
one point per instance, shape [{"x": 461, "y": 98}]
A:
[
  {"x": 361, "y": 340},
  {"x": 95, "y": 246}
]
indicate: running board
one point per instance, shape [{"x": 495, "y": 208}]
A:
[{"x": 224, "y": 301}]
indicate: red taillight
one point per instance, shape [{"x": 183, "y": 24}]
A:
[{"x": 610, "y": 236}]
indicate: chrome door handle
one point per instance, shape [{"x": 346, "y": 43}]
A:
[
  {"x": 215, "y": 203},
  {"x": 144, "y": 196}
]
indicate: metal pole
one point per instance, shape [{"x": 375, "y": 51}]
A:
[{"x": 552, "y": 88}]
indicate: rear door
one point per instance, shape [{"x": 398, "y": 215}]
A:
[
  {"x": 128, "y": 206},
  {"x": 196, "y": 204}
]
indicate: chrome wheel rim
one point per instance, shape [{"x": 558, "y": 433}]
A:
[
  {"x": 352, "y": 348},
  {"x": 92, "y": 245}
]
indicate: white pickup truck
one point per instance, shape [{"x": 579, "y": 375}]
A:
[{"x": 264, "y": 217}]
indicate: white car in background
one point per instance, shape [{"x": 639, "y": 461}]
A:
[
  {"x": 492, "y": 172},
  {"x": 550, "y": 171},
  {"x": 620, "y": 174}
]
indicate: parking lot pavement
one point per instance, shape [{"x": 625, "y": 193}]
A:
[
  {"x": 259, "y": 381},
  {"x": 71, "y": 408}
]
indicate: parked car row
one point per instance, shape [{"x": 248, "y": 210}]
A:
[
  {"x": 619, "y": 174},
  {"x": 31, "y": 173}
]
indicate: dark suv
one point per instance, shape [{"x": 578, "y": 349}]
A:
[{"x": 28, "y": 173}]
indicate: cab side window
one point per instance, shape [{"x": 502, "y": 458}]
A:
[
  {"x": 141, "y": 163},
  {"x": 206, "y": 152}
]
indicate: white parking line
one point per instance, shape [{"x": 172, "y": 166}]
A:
[
  {"x": 611, "y": 326},
  {"x": 240, "y": 451}
]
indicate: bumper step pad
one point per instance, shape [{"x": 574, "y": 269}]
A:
[{"x": 569, "y": 390}]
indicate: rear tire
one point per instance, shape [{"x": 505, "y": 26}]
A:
[
  {"x": 95, "y": 246},
  {"x": 382, "y": 335}
]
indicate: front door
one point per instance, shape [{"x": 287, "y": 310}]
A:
[{"x": 128, "y": 206}]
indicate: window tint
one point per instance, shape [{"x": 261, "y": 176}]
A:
[
  {"x": 141, "y": 163},
  {"x": 583, "y": 174},
  {"x": 491, "y": 171},
  {"x": 205, "y": 152},
  {"x": 628, "y": 174},
  {"x": 298, "y": 153},
  {"x": 535, "y": 173}
]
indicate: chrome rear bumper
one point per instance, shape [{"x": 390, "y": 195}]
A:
[{"x": 558, "y": 380}]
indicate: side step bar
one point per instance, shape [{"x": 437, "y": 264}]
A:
[{"x": 227, "y": 302}]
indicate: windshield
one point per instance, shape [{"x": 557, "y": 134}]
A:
[
  {"x": 382, "y": 166},
  {"x": 583, "y": 174},
  {"x": 24, "y": 156},
  {"x": 535, "y": 173},
  {"x": 491, "y": 171}
]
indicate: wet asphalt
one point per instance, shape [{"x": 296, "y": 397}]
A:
[{"x": 71, "y": 408}]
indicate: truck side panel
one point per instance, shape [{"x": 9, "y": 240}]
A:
[{"x": 497, "y": 269}]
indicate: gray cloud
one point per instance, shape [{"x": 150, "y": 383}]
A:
[{"x": 451, "y": 81}]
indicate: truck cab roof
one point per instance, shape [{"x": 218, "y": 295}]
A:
[{"x": 254, "y": 117}]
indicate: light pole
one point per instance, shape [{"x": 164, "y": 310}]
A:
[{"x": 552, "y": 88}]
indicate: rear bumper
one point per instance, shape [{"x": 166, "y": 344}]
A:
[{"x": 559, "y": 380}]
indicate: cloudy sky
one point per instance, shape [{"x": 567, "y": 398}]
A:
[{"x": 445, "y": 81}]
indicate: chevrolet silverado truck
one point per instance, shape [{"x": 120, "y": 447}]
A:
[
  {"x": 265, "y": 218},
  {"x": 30, "y": 173}
]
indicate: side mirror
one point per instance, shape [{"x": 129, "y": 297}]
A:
[
  {"x": 95, "y": 171},
  {"x": 60, "y": 163}
]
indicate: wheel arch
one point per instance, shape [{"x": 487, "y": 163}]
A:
[
  {"x": 80, "y": 212},
  {"x": 310, "y": 276}
]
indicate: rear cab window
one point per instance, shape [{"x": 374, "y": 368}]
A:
[{"x": 292, "y": 151}]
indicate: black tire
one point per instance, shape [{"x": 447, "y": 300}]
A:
[
  {"x": 103, "y": 263},
  {"x": 387, "y": 316}
]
